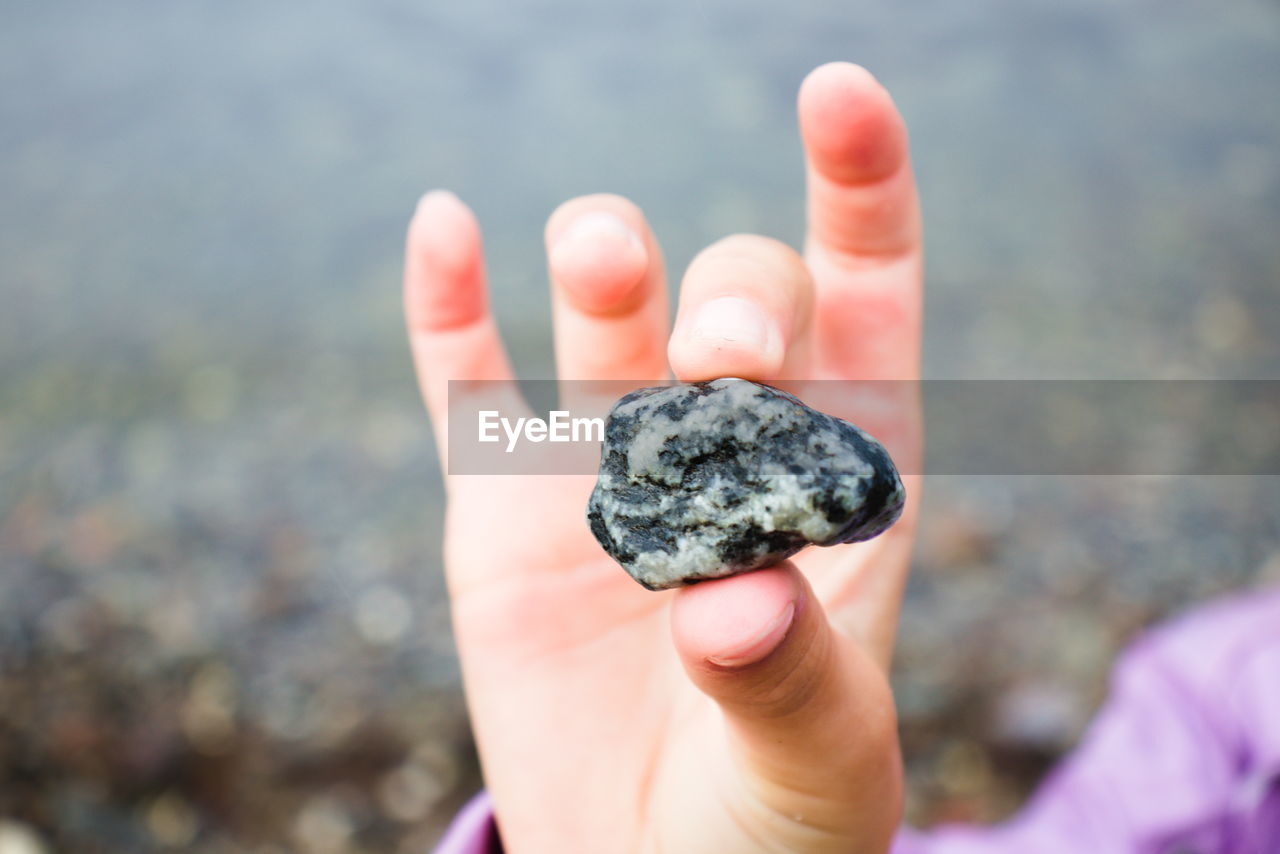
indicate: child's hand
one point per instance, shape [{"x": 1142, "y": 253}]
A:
[{"x": 749, "y": 714}]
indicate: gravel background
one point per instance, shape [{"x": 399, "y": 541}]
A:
[{"x": 222, "y": 625}]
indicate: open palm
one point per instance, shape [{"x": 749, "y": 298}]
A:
[{"x": 749, "y": 714}]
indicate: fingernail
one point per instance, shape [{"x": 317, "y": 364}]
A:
[
  {"x": 598, "y": 224},
  {"x": 732, "y": 319},
  {"x": 760, "y": 646}
]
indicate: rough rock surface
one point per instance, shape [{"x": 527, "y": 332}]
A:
[{"x": 712, "y": 479}]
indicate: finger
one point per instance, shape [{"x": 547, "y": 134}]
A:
[
  {"x": 864, "y": 233},
  {"x": 810, "y": 717},
  {"x": 609, "y": 297},
  {"x": 861, "y": 584},
  {"x": 744, "y": 312},
  {"x": 451, "y": 332}
]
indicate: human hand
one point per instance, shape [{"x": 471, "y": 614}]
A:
[{"x": 747, "y": 714}]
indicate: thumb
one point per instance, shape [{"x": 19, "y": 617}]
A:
[{"x": 809, "y": 714}]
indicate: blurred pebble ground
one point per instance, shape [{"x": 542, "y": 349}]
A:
[{"x": 222, "y": 621}]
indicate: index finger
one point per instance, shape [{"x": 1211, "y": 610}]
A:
[{"x": 863, "y": 243}]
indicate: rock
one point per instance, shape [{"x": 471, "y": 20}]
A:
[
  {"x": 717, "y": 478},
  {"x": 18, "y": 838}
]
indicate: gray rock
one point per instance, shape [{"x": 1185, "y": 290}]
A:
[{"x": 716, "y": 478}]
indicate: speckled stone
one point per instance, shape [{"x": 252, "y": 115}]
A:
[{"x": 712, "y": 479}]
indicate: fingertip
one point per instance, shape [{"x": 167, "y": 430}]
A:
[
  {"x": 600, "y": 262},
  {"x": 835, "y": 75},
  {"x": 727, "y": 336},
  {"x": 744, "y": 311},
  {"x": 445, "y": 230},
  {"x": 608, "y": 292},
  {"x": 445, "y": 264},
  {"x": 733, "y": 623},
  {"x": 851, "y": 129},
  {"x": 440, "y": 206},
  {"x": 439, "y": 197}
]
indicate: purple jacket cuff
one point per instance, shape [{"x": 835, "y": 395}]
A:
[{"x": 1184, "y": 756}]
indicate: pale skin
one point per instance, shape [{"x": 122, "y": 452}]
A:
[{"x": 744, "y": 715}]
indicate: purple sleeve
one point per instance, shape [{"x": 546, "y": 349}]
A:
[
  {"x": 1184, "y": 756},
  {"x": 473, "y": 830}
]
